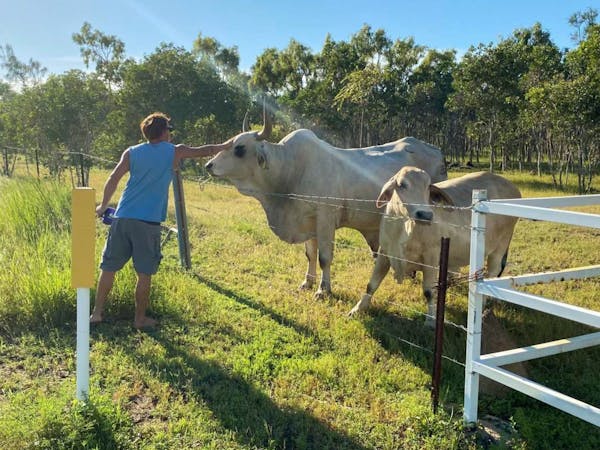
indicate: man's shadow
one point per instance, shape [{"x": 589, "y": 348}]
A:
[{"x": 255, "y": 420}]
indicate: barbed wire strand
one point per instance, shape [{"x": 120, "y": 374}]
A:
[
  {"x": 319, "y": 200},
  {"x": 203, "y": 181},
  {"x": 456, "y": 280}
]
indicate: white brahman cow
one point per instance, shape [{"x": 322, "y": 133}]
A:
[
  {"x": 309, "y": 188},
  {"x": 418, "y": 214}
]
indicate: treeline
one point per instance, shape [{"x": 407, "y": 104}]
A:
[{"x": 521, "y": 103}]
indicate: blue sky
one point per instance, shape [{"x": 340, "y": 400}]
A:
[{"x": 42, "y": 30}]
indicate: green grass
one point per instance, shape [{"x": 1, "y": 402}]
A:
[{"x": 243, "y": 360}]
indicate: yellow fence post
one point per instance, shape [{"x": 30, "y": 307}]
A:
[{"x": 83, "y": 250}]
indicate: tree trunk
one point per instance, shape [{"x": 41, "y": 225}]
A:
[
  {"x": 492, "y": 155},
  {"x": 37, "y": 162},
  {"x": 360, "y": 133}
]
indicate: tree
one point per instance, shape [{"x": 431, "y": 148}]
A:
[
  {"x": 490, "y": 84},
  {"x": 265, "y": 73},
  {"x": 359, "y": 89},
  {"x": 430, "y": 87},
  {"x": 583, "y": 71},
  {"x": 225, "y": 59},
  {"x": 59, "y": 117},
  {"x": 172, "y": 80},
  {"x": 6, "y": 92},
  {"x": 107, "y": 52},
  {"x": 24, "y": 74},
  {"x": 581, "y": 21},
  {"x": 295, "y": 67},
  {"x": 369, "y": 82}
]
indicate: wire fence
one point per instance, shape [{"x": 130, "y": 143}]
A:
[{"x": 456, "y": 279}]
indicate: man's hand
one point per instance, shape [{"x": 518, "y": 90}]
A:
[{"x": 100, "y": 210}]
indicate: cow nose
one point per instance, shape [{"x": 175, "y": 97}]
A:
[{"x": 424, "y": 215}]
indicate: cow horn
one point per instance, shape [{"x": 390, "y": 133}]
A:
[
  {"x": 267, "y": 127},
  {"x": 245, "y": 123}
]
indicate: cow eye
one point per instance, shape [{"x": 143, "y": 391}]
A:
[
  {"x": 239, "y": 151},
  {"x": 402, "y": 185}
]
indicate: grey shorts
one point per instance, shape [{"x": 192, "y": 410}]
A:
[{"x": 136, "y": 239}]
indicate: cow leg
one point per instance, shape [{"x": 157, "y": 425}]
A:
[
  {"x": 496, "y": 263},
  {"x": 382, "y": 266},
  {"x": 373, "y": 241},
  {"x": 430, "y": 292},
  {"x": 310, "y": 248},
  {"x": 325, "y": 237}
]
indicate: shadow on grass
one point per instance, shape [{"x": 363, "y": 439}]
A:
[
  {"x": 274, "y": 315},
  {"x": 567, "y": 373},
  {"x": 255, "y": 420},
  {"x": 414, "y": 341}
]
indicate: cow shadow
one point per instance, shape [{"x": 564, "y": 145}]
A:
[
  {"x": 260, "y": 307},
  {"x": 251, "y": 415},
  {"x": 412, "y": 340},
  {"x": 505, "y": 327}
]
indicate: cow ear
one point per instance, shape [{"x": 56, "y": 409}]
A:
[
  {"x": 437, "y": 195},
  {"x": 261, "y": 157},
  {"x": 386, "y": 193}
]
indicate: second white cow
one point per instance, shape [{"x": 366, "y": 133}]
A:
[{"x": 418, "y": 214}]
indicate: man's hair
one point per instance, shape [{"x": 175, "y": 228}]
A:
[{"x": 154, "y": 125}]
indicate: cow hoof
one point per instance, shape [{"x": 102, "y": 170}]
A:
[
  {"x": 354, "y": 312},
  {"x": 306, "y": 286},
  {"x": 321, "y": 295},
  {"x": 362, "y": 305}
]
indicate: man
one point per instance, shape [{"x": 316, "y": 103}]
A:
[{"x": 135, "y": 230}]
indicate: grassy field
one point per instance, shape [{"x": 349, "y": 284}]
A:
[{"x": 243, "y": 360}]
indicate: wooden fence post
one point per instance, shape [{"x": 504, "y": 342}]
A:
[
  {"x": 439, "y": 323},
  {"x": 182, "y": 228}
]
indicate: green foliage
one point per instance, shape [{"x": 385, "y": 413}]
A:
[
  {"x": 29, "y": 209},
  {"x": 25, "y": 74},
  {"x": 520, "y": 102},
  {"x": 226, "y": 59},
  {"x": 107, "y": 52},
  {"x": 173, "y": 81},
  {"x": 59, "y": 422},
  {"x": 34, "y": 238}
]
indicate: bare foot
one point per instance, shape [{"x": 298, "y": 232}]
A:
[
  {"x": 96, "y": 317},
  {"x": 145, "y": 323}
]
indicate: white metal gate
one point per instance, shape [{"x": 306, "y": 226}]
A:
[{"x": 505, "y": 289}]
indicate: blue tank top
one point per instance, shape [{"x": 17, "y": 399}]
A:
[{"x": 146, "y": 193}]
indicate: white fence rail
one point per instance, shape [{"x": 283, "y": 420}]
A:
[{"x": 505, "y": 289}]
